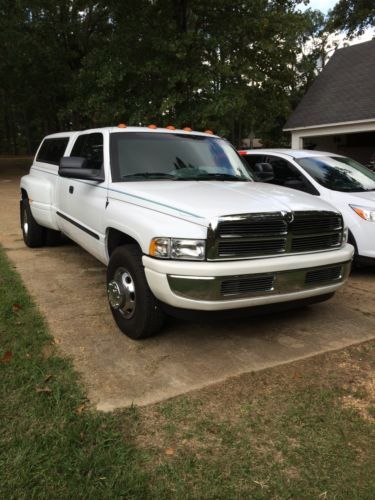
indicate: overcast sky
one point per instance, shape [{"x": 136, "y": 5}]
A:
[{"x": 323, "y": 5}]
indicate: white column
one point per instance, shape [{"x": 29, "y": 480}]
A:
[{"x": 297, "y": 141}]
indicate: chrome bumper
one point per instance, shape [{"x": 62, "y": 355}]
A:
[{"x": 213, "y": 288}]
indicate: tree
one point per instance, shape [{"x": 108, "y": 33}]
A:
[
  {"x": 236, "y": 67},
  {"x": 353, "y": 16}
]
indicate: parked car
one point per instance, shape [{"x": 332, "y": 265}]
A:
[
  {"x": 180, "y": 224},
  {"x": 343, "y": 182}
]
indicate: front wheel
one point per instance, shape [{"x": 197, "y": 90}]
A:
[{"x": 135, "y": 309}]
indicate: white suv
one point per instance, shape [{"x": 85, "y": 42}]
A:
[{"x": 343, "y": 182}]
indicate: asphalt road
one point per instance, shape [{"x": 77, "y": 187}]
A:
[{"x": 69, "y": 287}]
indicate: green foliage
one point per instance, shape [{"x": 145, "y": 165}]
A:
[
  {"x": 235, "y": 67},
  {"x": 353, "y": 16}
]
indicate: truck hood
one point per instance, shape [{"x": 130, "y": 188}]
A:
[{"x": 201, "y": 201}]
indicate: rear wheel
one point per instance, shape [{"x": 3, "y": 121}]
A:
[
  {"x": 33, "y": 233},
  {"x": 135, "y": 309}
]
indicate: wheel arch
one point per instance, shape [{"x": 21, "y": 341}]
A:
[
  {"x": 116, "y": 238},
  {"x": 352, "y": 241}
]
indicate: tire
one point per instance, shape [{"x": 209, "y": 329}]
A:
[
  {"x": 52, "y": 237},
  {"x": 135, "y": 309},
  {"x": 33, "y": 233}
]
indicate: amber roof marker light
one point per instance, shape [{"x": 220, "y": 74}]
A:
[
  {"x": 152, "y": 126},
  {"x": 121, "y": 125},
  {"x": 209, "y": 132},
  {"x": 187, "y": 129},
  {"x": 170, "y": 127}
]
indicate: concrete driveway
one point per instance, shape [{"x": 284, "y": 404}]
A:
[{"x": 69, "y": 287}]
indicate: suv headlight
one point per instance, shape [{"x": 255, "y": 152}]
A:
[
  {"x": 364, "y": 212},
  {"x": 177, "y": 248}
]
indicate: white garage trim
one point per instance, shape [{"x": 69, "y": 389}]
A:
[{"x": 331, "y": 129}]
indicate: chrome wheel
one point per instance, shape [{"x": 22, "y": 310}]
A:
[{"x": 121, "y": 293}]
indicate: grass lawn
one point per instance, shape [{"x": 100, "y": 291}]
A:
[{"x": 304, "y": 430}]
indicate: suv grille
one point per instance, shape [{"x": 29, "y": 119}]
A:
[{"x": 256, "y": 235}]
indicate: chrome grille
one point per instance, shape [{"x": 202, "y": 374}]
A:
[
  {"x": 311, "y": 243},
  {"x": 248, "y": 284},
  {"x": 304, "y": 223},
  {"x": 324, "y": 275},
  {"x": 250, "y": 248},
  {"x": 231, "y": 229},
  {"x": 255, "y": 235}
]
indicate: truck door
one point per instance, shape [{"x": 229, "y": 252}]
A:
[{"x": 81, "y": 203}]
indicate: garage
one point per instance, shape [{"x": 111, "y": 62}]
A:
[{"x": 337, "y": 114}]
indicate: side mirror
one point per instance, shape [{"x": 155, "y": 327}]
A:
[
  {"x": 264, "y": 172},
  {"x": 75, "y": 167}
]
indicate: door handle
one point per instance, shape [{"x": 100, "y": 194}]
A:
[{"x": 71, "y": 189}]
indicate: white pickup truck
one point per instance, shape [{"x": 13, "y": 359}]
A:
[{"x": 180, "y": 224}]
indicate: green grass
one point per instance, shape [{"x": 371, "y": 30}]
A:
[
  {"x": 47, "y": 450},
  {"x": 281, "y": 433}
]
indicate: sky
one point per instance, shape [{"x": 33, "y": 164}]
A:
[{"x": 325, "y": 6}]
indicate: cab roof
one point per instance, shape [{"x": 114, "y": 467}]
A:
[{"x": 131, "y": 129}]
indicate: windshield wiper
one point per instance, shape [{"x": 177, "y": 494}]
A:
[
  {"x": 209, "y": 177},
  {"x": 148, "y": 175}
]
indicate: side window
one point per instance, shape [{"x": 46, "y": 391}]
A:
[
  {"x": 52, "y": 150},
  {"x": 90, "y": 146},
  {"x": 286, "y": 175},
  {"x": 251, "y": 160}
]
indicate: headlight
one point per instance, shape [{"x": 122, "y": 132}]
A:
[
  {"x": 364, "y": 212},
  {"x": 178, "y": 248}
]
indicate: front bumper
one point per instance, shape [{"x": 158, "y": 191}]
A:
[{"x": 213, "y": 286}]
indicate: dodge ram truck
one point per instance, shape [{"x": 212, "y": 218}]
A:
[{"x": 180, "y": 224}]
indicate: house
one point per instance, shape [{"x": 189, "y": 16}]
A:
[{"x": 337, "y": 114}]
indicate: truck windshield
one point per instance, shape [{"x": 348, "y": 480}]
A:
[
  {"x": 339, "y": 173},
  {"x": 147, "y": 156}
]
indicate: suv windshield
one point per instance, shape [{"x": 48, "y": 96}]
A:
[
  {"x": 146, "y": 156},
  {"x": 339, "y": 173}
]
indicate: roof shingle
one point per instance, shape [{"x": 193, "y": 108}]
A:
[{"x": 344, "y": 91}]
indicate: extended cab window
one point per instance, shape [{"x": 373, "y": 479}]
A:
[
  {"x": 52, "y": 150},
  {"x": 90, "y": 146}
]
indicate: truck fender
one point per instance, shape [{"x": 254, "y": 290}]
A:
[{"x": 39, "y": 191}]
